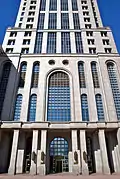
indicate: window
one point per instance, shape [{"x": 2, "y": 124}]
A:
[
  {"x": 35, "y": 75},
  {"x": 99, "y": 105},
  {"x": 23, "y": 69},
  {"x": 52, "y": 21},
  {"x": 95, "y": 75},
  {"x": 53, "y": 5},
  {"x": 92, "y": 50},
  {"x": 17, "y": 110},
  {"x": 26, "y": 42},
  {"x": 51, "y": 42},
  {"x": 27, "y": 33},
  {"x": 59, "y": 97},
  {"x": 31, "y": 13},
  {"x": 20, "y": 24},
  {"x": 88, "y": 26},
  {"x": 104, "y": 34},
  {"x": 29, "y": 26},
  {"x": 9, "y": 50},
  {"x": 25, "y": 50},
  {"x": 78, "y": 41},
  {"x": 89, "y": 33},
  {"x": 74, "y": 5},
  {"x": 108, "y": 50},
  {"x": 30, "y": 19},
  {"x": 76, "y": 21},
  {"x": 112, "y": 72},
  {"x": 42, "y": 5},
  {"x": 32, "y": 108},
  {"x": 81, "y": 75},
  {"x": 84, "y": 106},
  {"x": 11, "y": 42},
  {"x": 64, "y": 5},
  {"x": 38, "y": 45},
  {"x": 91, "y": 41},
  {"x": 41, "y": 21},
  {"x": 106, "y": 42},
  {"x": 64, "y": 21},
  {"x": 65, "y": 42},
  {"x": 13, "y": 34},
  {"x": 3, "y": 83}
]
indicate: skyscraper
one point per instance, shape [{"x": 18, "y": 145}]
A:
[{"x": 59, "y": 91}]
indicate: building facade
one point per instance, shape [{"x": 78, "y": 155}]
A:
[{"x": 59, "y": 91}]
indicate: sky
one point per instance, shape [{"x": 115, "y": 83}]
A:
[{"x": 109, "y": 10}]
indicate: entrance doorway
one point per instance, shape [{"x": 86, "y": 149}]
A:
[{"x": 59, "y": 155}]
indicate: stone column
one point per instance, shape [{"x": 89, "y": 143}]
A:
[
  {"x": 103, "y": 149},
  {"x": 33, "y": 168},
  {"x": 97, "y": 154},
  {"x": 83, "y": 148},
  {"x": 75, "y": 153},
  {"x": 12, "y": 165}
]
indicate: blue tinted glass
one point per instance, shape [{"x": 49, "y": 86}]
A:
[
  {"x": 84, "y": 106},
  {"x": 17, "y": 110},
  {"x": 99, "y": 106},
  {"x": 32, "y": 108}
]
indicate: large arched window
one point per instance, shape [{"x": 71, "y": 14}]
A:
[
  {"x": 35, "y": 75},
  {"x": 81, "y": 75},
  {"x": 58, "y": 97},
  {"x": 95, "y": 75},
  {"x": 23, "y": 69},
  {"x": 3, "y": 83},
  {"x": 32, "y": 108},
  {"x": 18, "y": 105},
  {"x": 99, "y": 105},
  {"x": 84, "y": 106},
  {"x": 115, "y": 87}
]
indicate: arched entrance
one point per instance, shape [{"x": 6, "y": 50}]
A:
[{"x": 59, "y": 155}]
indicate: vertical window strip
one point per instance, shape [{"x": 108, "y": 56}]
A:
[
  {"x": 99, "y": 105},
  {"x": 52, "y": 21},
  {"x": 78, "y": 41},
  {"x": 3, "y": 83},
  {"x": 32, "y": 108},
  {"x": 81, "y": 75},
  {"x": 23, "y": 69},
  {"x": 35, "y": 76},
  {"x": 18, "y": 105},
  {"x": 74, "y": 5},
  {"x": 95, "y": 75},
  {"x": 41, "y": 21},
  {"x": 65, "y": 42},
  {"x": 64, "y": 21},
  {"x": 76, "y": 21},
  {"x": 59, "y": 97},
  {"x": 84, "y": 106},
  {"x": 64, "y": 5},
  {"x": 53, "y": 5},
  {"x": 114, "y": 86},
  {"x": 38, "y": 45},
  {"x": 42, "y": 5},
  {"x": 51, "y": 42}
]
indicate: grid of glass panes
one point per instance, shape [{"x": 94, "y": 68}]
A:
[
  {"x": 35, "y": 76},
  {"x": 115, "y": 87},
  {"x": 74, "y": 5},
  {"x": 42, "y": 5},
  {"x": 38, "y": 45},
  {"x": 65, "y": 42},
  {"x": 95, "y": 75},
  {"x": 59, "y": 98},
  {"x": 64, "y": 21},
  {"x": 3, "y": 83},
  {"x": 64, "y": 5},
  {"x": 81, "y": 75},
  {"x": 22, "y": 74},
  {"x": 99, "y": 105},
  {"x": 76, "y": 21},
  {"x": 78, "y": 41},
  {"x": 53, "y": 5},
  {"x": 18, "y": 105},
  {"x": 51, "y": 42},
  {"x": 41, "y": 21},
  {"x": 32, "y": 108},
  {"x": 52, "y": 21},
  {"x": 84, "y": 106}
]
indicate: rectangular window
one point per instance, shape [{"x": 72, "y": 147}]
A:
[
  {"x": 52, "y": 21},
  {"x": 38, "y": 45},
  {"x": 53, "y": 5},
  {"x": 26, "y": 42},
  {"x": 28, "y": 34},
  {"x": 65, "y": 42},
  {"x": 78, "y": 41},
  {"x": 74, "y": 5},
  {"x": 51, "y": 42},
  {"x": 76, "y": 21},
  {"x": 64, "y": 21},
  {"x": 11, "y": 42},
  {"x": 41, "y": 21},
  {"x": 25, "y": 50},
  {"x": 64, "y": 5},
  {"x": 13, "y": 34},
  {"x": 42, "y": 5}
]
